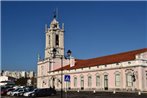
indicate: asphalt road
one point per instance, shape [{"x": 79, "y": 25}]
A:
[{"x": 92, "y": 95}]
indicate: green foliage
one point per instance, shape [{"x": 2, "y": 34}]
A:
[{"x": 21, "y": 81}]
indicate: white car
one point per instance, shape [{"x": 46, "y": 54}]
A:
[
  {"x": 29, "y": 93},
  {"x": 17, "y": 92},
  {"x": 10, "y": 92}
]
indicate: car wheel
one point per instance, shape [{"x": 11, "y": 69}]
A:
[
  {"x": 15, "y": 94},
  {"x": 33, "y": 95}
]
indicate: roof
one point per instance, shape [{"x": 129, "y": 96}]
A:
[{"x": 110, "y": 59}]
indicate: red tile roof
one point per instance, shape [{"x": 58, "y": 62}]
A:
[{"x": 115, "y": 58}]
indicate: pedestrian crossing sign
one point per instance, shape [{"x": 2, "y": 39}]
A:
[{"x": 67, "y": 78}]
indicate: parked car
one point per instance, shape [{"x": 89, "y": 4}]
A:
[
  {"x": 44, "y": 92},
  {"x": 4, "y": 91},
  {"x": 10, "y": 92},
  {"x": 30, "y": 92},
  {"x": 17, "y": 92},
  {"x": 22, "y": 92}
]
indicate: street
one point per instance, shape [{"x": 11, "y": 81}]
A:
[{"x": 92, "y": 95}]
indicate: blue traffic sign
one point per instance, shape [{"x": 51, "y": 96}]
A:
[{"x": 67, "y": 78}]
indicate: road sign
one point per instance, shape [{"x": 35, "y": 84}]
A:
[{"x": 67, "y": 78}]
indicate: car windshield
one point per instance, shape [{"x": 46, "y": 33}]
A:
[
  {"x": 16, "y": 90},
  {"x": 21, "y": 90},
  {"x": 35, "y": 90},
  {"x": 10, "y": 89},
  {"x": 31, "y": 90}
]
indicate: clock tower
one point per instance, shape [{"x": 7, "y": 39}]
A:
[{"x": 54, "y": 39}]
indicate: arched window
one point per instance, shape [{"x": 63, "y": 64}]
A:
[
  {"x": 57, "y": 40},
  {"x": 117, "y": 79},
  {"x": 89, "y": 81},
  {"x": 49, "y": 40},
  {"x": 82, "y": 82},
  {"x": 106, "y": 81},
  {"x": 129, "y": 81},
  {"x": 42, "y": 70},
  {"x": 75, "y": 81},
  {"x": 97, "y": 80}
]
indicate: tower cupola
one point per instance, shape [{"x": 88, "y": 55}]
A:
[{"x": 54, "y": 24}]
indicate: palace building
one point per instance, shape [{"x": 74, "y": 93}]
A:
[{"x": 123, "y": 71}]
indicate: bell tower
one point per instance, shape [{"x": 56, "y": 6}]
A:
[{"x": 54, "y": 39}]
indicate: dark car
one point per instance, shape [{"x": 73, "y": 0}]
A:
[
  {"x": 44, "y": 92},
  {"x": 4, "y": 90}
]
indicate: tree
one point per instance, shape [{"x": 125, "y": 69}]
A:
[{"x": 21, "y": 81}]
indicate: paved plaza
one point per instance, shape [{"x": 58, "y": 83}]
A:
[{"x": 93, "y": 95}]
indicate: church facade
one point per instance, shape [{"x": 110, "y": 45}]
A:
[{"x": 123, "y": 71}]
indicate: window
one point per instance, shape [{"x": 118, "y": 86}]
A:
[
  {"x": 117, "y": 79},
  {"x": 49, "y": 40},
  {"x": 42, "y": 70},
  {"x": 106, "y": 82},
  {"x": 50, "y": 67},
  {"x": 89, "y": 81},
  {"x": 57, "y": 40},
  {"x": 75, "y": 81},
  {"x": 82, "y": 81},
  {"x": 97, "y": 80},
  {"x": 129, "y": 81}
]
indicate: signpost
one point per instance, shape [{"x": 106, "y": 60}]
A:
[{"x": 66, "y": 79}]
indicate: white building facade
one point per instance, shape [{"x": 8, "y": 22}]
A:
[
  {"x": 122, "y": 71},
  {"x": 19, "y": 74}
]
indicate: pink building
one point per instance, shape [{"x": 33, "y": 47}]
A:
[{"x": 122, "y": 71}]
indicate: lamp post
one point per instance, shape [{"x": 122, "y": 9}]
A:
[
  {"x": 61, "y": 77},
  {"x": 61, "y": 57},
  {"x": 54, "y": 55},
  {"x": 69, "y": 57}
]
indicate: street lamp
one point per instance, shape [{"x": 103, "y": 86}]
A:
[
  {"x": 61, "y": 57},
  {"x": 133, "y": 77},
  {"x": 69, "y": 53}
]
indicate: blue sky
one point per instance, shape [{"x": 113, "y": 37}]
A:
[{"x": 92, "y": 29}]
